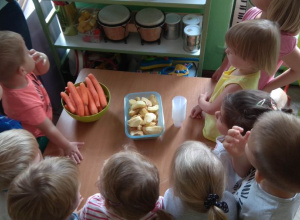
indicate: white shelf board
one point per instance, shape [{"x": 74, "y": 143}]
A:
[
  {"x": 162, "y": 3},
  {"x": 133, "y": 46}
]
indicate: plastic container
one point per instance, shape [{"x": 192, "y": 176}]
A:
[
  {"x": 191, "y": 19},
  {"x": 178, "y": 110},
  {"x": 87, "y": 25},
  {"x": 161, "y": 121}
]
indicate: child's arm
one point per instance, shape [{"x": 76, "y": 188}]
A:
[
  {"x": 218, "y": 73},
  {"x": 291, "y": 75},
  {"x": 42, "y": 64},
  {"x": 235, "y": 144},
  {"x": 196, "y": 112},
  {"x": 212, "y": 107},
  {"x": 55, "y": 136}
]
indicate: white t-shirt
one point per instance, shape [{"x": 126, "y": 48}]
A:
[
  {"x": 225, "y": 157},
  {"x": 256, "y": 204},
  {"x": 175, "y": 207}
]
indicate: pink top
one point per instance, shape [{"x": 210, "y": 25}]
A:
[
  {"x": 288, "y": 44},
  {"x": 30, "y": 105},
  {"x": 95, "y": 208}
]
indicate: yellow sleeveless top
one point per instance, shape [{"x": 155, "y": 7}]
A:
[{"x": 249, "y": 81}]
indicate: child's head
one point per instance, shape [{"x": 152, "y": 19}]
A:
[
  {"x": 285, "y": 12},
  {"x": 18, "y": 149},
  {"x": 130, "y": 184},
  {"x": 242, "y": 108},
  {"x": 256, "y": 42},
  {"x": 13, "y": 55},
  {"x": 273, "y": 149},
  {"x": 196, "y": 173},
  {"x": 47, "y": 190}
]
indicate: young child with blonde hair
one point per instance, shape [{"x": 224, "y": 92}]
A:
[
  {"x": 129, "y": 189},
  {"x": 198, "y": 183},
  {"x": 287, "y": 14},
  {"x": 24, "y": 97},
  {"x": 271, "y": 190},
  {"x": 248, "y": 43},
  {"x": 48, "y": 190},
  {"x": 18, "y": 150}
]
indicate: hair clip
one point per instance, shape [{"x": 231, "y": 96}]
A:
[
  {"x": 261, "y": 102},
  {"x": 211, "y": 200}
]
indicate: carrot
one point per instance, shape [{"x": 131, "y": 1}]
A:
[
  {"x": 99, "y": 90},
  {"x": 68, "y": 102},
  {"x": 93, "y": 91},
  {"x": 92, "y": 106},
  {"x": 86, "y": 111},
  {"x": 84, "y": 94},
  {"x": 71, "y": 99},
  {"x": 77, "y": 99}
]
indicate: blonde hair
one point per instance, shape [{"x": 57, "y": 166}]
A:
[
  {"x": 196, "y": 173},
  {"x": 18, "y": 148},
  {"x": 253, "y": 39},
  {"x": 129, "y": 182},
  {"x": 47, "y": 190},
  {"x": 11, "y": 53},
  {"x": 286, "y": 13},
  {"x": 275, "y": 143}
]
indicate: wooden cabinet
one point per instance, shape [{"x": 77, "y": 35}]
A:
[{"x": 170, "y": 48}]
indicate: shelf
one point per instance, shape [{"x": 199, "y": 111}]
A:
[
  {"x": 150, "y": 3},
  {"x": 166, "y": 48}
]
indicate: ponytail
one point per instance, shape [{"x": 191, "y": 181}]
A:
[{"x": 163, "y": 215}]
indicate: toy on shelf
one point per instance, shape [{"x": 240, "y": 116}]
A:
[
  {"x": 155, "y": 62},
  {"x": 178, "y": 69}
]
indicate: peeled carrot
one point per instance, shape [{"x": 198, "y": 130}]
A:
[
  {"x": 71, "y": 99},
  {"x": 68, "y": 102},
  {"x": 92, "y": 106},
  {"x": 86, "y": 111},
  {"x": 93, "y": 91},
  {"x": 77, "y": 99},
  {"x": 99, "y": 90},
  {"x": 84, "y": 95}
]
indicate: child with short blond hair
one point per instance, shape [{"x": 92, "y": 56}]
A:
[
  {"x": 271, "y": 190},
  {"x": 198, "y": 183},
  {"x": 48, "y": 190},
  {"x": 248, "y": 42},
  {"x": 24, "y": 97},
  {"x": 129, "y": 189},
  {"x": 18, "y": 150}
]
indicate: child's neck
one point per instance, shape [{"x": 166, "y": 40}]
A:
[
  {"x": 275, "y": 191},
  {"x": 243, "y": 72},
  {"x": 17, "y": 82}
]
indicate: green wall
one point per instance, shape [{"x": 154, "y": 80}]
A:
[{"x": 219, "y": 21}]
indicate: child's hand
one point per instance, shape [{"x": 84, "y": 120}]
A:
[
  {"x": 73, "y": 151},
  {"x": 234, "y": 142},
  {"x": 38, "y": 57},
  {"x": 196, "y": 112},
  {"x": 203, "y": 98}
]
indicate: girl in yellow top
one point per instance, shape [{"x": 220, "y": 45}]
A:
[{"x": 252, "y": 46}]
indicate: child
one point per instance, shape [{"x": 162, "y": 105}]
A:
[
  {"x": 198, "y": 180},
  {"x": 271, "y": 191},
  {"x": 247, "y": 45},
  {"x": 129, "y": 189},
  {"x": 24, "y": 97},
  {"x": 286, "y": 13},
  {"x": 48, "y": 190},
  {"x": 240, "y": 108},
  {"x": 18, "y": 150}
]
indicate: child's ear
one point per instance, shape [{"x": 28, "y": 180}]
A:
[
  {"x": 21, "y": 70},
  {"x": 258, "y": 176}
]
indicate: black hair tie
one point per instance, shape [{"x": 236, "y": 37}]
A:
[{"x": 211, "y": 200}]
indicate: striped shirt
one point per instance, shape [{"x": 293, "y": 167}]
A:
[{"x": 95, "y": 208}]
